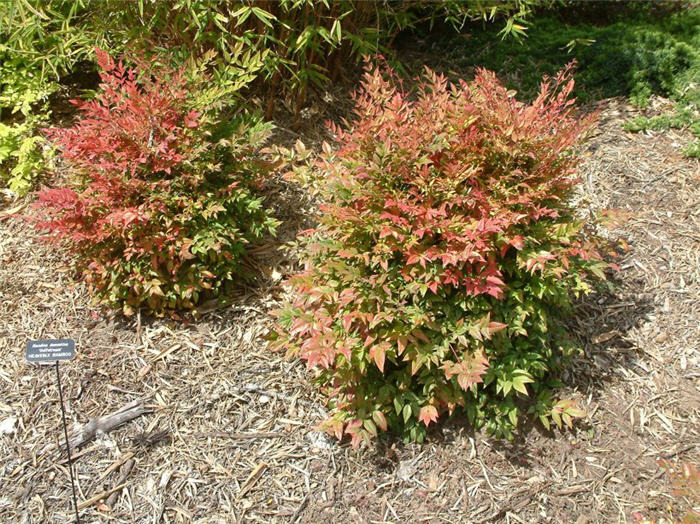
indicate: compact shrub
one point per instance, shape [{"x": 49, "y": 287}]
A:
[
  {"x": 161, "y": 201},
  {"x": 446, "y": 253}
]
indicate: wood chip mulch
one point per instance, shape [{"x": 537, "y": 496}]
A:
[{"x": 226, "y": 429}]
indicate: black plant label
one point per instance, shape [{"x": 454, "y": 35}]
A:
[{"x": 50, "y": 350}]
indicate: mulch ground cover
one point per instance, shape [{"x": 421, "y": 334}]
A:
[{"x": 227, "y": 433}]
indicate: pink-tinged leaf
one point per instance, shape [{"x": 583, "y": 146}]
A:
[
  {"x": 354, "y": 429},
  {"x": 192, "y": 119},
  {"x": 333, "y": 427},
  {"x": 492, "y": 279},
  {"x": 495, "y": 292},
  {"x": 378, "y": 353},
  {"x": 356, "y": 439},
  {"x": 566, "y": 410},
  {"x": 469, "y": 371},
  {"x": 517, "y": 242},
  {"x": 401, "y": 343},
  {"x": 348, "y": 320},
  {"x": 415, "y": 366},
  {"x": 428, "y": 414},
  {"x": 386, "y": 232},
  {"x": 495, "y": 327},
  {"x": 420, "y": 335}
]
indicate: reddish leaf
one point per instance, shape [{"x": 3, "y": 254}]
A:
[
  {"x": 428, "y": 414},
  {"x": 378, "y": 353},
  {"x": 495, "y": 327}
]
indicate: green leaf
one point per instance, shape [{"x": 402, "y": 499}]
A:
[
  {"x": 263, "y": 16},
  {"x": 519, "y": 385},
  {"x": 370, "y": 427},
  {"x": 336, "y": 31},
  {"x": 406, "y": 413},
  {"x": 513, "y": 416}
]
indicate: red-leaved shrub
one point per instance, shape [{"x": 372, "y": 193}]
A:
[
  {"x": 447, "y": 249},
  {"x": 160, "y": 200}
]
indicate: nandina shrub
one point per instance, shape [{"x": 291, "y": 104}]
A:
[
  {"x": 161, "y": 200},
  {"x": 447, "y": 251}
]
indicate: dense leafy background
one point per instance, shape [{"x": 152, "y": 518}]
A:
[{"x": 634, "y": 53}]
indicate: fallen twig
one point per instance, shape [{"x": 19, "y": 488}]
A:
[
  {"x": 115, "y": 466},
  {"x": 96, "y": 498},
  {"x": 252, "y": 479},
  {"x": 106, "y": 423},
  {"x": 126, "y": 469},
  {"x": 238, "y": 436}
]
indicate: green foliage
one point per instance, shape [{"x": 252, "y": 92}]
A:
[
  {"x": 300, "y": 42},
  {"x": 38, "y": 44},
  {"x": 48, "y": 36},
  {"x": 683, "y": 117},
  {"x": 163, "y": 198},
  {"x": 23, "y": 110},
  {"x": 446, "y": 255},
  {"x": 636, "y": 56},
  {"x": 286, "y": 45}
]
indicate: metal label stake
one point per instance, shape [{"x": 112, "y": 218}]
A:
[{"x": 53, "y": 351}]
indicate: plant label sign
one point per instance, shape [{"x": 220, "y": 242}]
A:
[{"x": 50, "y": 350}]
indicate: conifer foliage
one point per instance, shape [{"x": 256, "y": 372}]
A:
[
  {"x": 447, "y": 250},
  {"x": 160, "y": 201}
]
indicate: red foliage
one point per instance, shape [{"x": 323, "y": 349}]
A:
[
  {"x": 148, "y": 197},
  {"x": 500, "y": 164},
  {"x": 445, "y": 237}
]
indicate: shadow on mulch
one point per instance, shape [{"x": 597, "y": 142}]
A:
[{"x": 599, "y": 325}]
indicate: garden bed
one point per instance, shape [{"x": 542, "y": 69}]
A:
[{"x": 229, "y": 434}]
